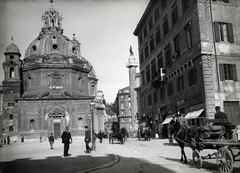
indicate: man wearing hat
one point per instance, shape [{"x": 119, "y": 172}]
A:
[{"x": 87, "y": 139}]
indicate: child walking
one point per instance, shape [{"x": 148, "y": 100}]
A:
[{"x": 51, "y": 140}]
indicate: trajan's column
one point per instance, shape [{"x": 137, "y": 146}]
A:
[{"x": 132, "y": 65}]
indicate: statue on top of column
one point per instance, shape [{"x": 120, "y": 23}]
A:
[{"x": 131, "y": 52}]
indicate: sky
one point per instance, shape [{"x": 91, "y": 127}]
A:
[{"x": 103, "y": 27}]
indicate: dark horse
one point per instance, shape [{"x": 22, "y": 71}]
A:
[
  {"x": 186, "y": 135},
  {"x": 125, "y": 133}
]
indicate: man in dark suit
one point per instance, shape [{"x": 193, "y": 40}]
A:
[
  {"x": 87, "y": 139},
  {"x": 66, "y": 140},
  {"x": 219, "y": 114}
]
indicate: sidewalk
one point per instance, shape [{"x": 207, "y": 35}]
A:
[{"x": 33, "y": 156}]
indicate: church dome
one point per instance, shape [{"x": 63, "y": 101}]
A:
[
  {"x": 48, "y": 43},
  {"x": 51, "y": 39},
  {"x": 12, "y": 48}
]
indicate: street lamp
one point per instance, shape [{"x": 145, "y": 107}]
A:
[{"x": 92, "y": 107}]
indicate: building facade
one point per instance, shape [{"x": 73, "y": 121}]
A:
[
  {"x": 51, "y": 87},
  {"x": 123, "y": 101},
  {"x": 189, "y": 54}
]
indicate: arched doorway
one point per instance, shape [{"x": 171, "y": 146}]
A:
[{"x": 56, "y": 118}]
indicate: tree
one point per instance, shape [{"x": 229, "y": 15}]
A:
[{"x": 111, "y": 109}]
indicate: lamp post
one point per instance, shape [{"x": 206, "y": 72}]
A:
[{"x": 92, "y": 107}]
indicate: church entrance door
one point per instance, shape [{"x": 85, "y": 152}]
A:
[{"x": 57, "y": 130}]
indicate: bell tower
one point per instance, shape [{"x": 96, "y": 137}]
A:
[{"x": 11, "y": 86}]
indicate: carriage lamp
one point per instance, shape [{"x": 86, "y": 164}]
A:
[{"x": 92, "y": 107}]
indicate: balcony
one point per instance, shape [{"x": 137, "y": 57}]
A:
[{"x": 158, "y": 77}]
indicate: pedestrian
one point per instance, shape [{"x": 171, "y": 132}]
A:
[
  {"x": 148, "y": 134},
  {"x": 8, "y": 140},
  {"x": 66, "y": 140},
  {"x": 51, "y": 140},
  {"x": 100, "y": 136},
  {"x": 5, "y": 141},
  {"x": 87, "y": 139},
  {"x": 22, "y": 139},
  {"x": 40, "y": 138}
]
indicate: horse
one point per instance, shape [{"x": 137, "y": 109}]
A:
[
  {"x": 125, "y": 133},
  {"x": 186, "y": 135}
]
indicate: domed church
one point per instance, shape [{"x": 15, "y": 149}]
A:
[{"x": 51, "y": 87}]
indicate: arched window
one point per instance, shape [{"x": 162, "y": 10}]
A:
[
  {"x": 11, "y": 71},
  {"x": 92, "y": 90},
  {"x": 80, "y": 122},
  {"x": 32, "y": 124}
]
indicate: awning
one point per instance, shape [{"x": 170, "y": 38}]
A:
[
  {"x": 194, "y": 114},
  {"x": 167, "y": 120}
]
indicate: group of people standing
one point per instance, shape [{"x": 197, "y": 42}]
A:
[
  {"x": 6, "y": 140},
  {"x": 67, "y": 140}
]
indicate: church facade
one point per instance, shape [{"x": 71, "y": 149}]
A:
[{"x": 51, "y": 87}]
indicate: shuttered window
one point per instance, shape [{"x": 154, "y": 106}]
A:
[
  {"x": 160, "y": 60},
  {"x": 228, "y": 72},
  {"x": 176, "y": 42},
  {"x": 158, "y": 35},
  {"x": 168, "y": 56},
  {"x": 180, "y": 84},
  {"x": 223, "y": 32},
  {"x": 156, "y": 13},
  {"x": 162, "y": 93},
  {"x": 165, "y": 26},
  {"x": 188, "y": 32},
  {"x": 150, "y": 100},
  {"x": 148, "y": 73},
  {"x": 170, "y": 89},
  {"x": 146, "y": 51},
  {"x": 151, "y": 43},
  {"x": 174, "y": 15},
  {"x": 192, "y": 77}
]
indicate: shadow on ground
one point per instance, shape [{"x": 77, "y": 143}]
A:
[
  {"x": 54, "y": 164},
  {"x": 213, "y": 167},
  {"x": 77, "y": 164},
  {"x": 134, "y": 165}
]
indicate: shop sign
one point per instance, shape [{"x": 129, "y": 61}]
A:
[
  {"x": 196, "y": 107},
  {"x": 181, "y": 102}
]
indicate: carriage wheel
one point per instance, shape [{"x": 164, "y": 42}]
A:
[
  {"x": 224, "y": 160},
  {"x": 197, "y": 159}
]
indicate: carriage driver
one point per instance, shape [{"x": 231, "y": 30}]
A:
[{"x": 221, "y": 115}]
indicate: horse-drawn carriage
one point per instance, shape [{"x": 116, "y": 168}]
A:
[
  {"x": 117, "y": 134},
  {"x": 144, "y": 132},
  {"x": 215, "y": 134}
]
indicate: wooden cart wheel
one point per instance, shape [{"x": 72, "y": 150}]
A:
[
  {"x": 224, "y": 160},
  {"x": 197, "y": 159}
]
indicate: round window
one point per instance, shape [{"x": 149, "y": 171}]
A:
[
  {"x": 54, "y": 46},
  {"x": 34, "y": 48}
]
